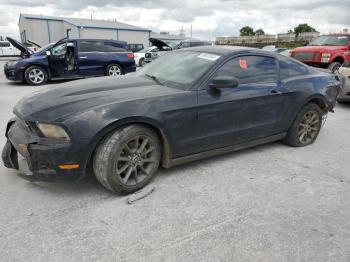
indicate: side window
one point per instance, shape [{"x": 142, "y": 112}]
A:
[
  {"x": 250, "y": 69},
  {"x": 196, "y": 44},
  {"x": 91, "y": 46},
  {"x": 114, "y": 47},
  {"x": 184, "y": 45},
  {"x": 291, "y": 69},
  {"x": 59, "y": 49},
  {"x": 5, "y": 44}
]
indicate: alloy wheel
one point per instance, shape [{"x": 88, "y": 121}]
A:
[
  {"x": 308, "y": 127},
  {"x": 114, "y": 71},
  {"x": 36, "y": 76},
  {"x": 136, "y": 160}
]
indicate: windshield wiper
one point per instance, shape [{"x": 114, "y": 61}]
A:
[{"x": 155, "y": 79}]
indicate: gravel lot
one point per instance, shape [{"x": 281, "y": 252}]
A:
[{"x": 269, "y": 203}]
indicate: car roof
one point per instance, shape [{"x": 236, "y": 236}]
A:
[
  {"x": 91, "y": 39},
  {"x": 226, "y": 50}
]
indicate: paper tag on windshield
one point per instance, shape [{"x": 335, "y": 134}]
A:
[{"x": 208, "y": 56}]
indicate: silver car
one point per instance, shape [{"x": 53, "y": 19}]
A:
[{"x": 344, "y": 71}]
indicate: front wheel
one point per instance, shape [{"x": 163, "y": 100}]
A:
[
  {"x": 35, "y": 75},
  {"x": 305, "y": 127},
  {"x": 334, "y": 67},
  {"x": 114, "y": 70},
  {"x": 126, "y": 160}
]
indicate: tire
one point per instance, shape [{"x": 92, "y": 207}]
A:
[
  {"x": 114, "y": 70},
  {"x": 142, "y": 62},
  {"x": 307, "y": 122},
  {"x": 119, "y": 164},
  {"x": 35, "y": 75},
  {"x": 334, "y": 67}
]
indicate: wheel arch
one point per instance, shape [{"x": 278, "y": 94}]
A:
[
  {"x": 47, "y": 69},
  {"x": 339, "y": 59},
  {"x": 115, "y": 62},
  {"x": 147, "y": 122}
]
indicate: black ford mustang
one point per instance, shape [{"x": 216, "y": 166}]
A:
[{"x": 186, "y": 105}]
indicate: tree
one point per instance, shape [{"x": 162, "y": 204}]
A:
[
  {"x": 302, "y": 28},
  {"x": 246, "y": 31},
  {"x": 290, "y": 31},
  {"x": 259, "y": 32}
]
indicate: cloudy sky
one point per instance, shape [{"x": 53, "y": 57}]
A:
[{"x": 209, "y": 18}]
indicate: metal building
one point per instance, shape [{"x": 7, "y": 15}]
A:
[{"x": 48, "y": 29}]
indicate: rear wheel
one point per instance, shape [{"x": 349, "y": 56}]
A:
[
  {"x": 126, "y": 160},
  {"x": 35, "y": 75},
  {"x": 142, "y": 62},
  {"x": 114, "y": 70},
  {"x": 305, "y": 127}
]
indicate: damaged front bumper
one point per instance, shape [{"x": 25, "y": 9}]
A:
[{"x": 43, "y": 156}]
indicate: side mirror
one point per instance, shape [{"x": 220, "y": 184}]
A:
[
  {"x": 223, "y": 82},
  {"x": 48, "y": 52}
]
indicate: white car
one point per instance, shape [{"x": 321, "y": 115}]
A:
[
  {"x": 6, "y": 49},
  {"x": 140, "y": 56}
]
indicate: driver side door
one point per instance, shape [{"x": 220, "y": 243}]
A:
[
  {"x": 57, "y": 60},
  {"x": 252, "y": 110}
]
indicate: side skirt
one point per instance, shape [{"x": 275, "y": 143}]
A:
[{"x": 224, "y": 150}]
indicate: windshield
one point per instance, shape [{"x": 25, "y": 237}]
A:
[
  {"x": 179, "y": 69},
  {"x": 330, "y": 40},
  {"x": 45, "y": 47},
  {"x": 173, "y": 44}
]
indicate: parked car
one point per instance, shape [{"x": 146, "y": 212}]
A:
[
  {"x": 70, "y": 59},
  {"x": 327, "y": 51},
  {"x": 273, "y": 48},
  {"x": 140, "y": 56},
  {"x": 7, "y": 49},
  {"x": 344, "y": 72},
  {"x": 186, "y": 105},
  {"x": 135, "y": 47},
  {"x": 166, "y": 46}
]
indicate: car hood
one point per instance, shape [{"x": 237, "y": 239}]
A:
[
  {"x": 318, "y": 48},
  {"x": 19, "y": 46},
  {"x": 54, "y": 104},
  {"x": 159, "y": 43}
]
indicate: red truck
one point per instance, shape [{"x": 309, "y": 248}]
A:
[{"x": 327, "y": 51}]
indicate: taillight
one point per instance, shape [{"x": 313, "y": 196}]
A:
[{"x": 130, "y": 55}]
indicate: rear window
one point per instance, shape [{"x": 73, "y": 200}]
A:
[
  {"x": 5, "y": 44},
  {"x": 289, "y": 68},
  {"x": 115, "y": 47},
  {"x": 91, "y": 46}
]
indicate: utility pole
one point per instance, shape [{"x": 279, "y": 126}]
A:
[{"x": 91, "y": 15}]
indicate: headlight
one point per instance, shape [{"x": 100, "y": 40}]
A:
[
  {"x": 325, "y": 57},
  {"x": 12, "y": 63},
  {"x": 52, "y": 131}
]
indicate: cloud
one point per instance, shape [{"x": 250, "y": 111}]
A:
[{"x": 209, "y": 18}]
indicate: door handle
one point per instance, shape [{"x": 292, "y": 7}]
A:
[{"x": 83, "y": 57}]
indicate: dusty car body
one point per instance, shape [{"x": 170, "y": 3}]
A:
[
  {"x": 344, "y": 72},
  {"x": 178, "y": 114}
]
